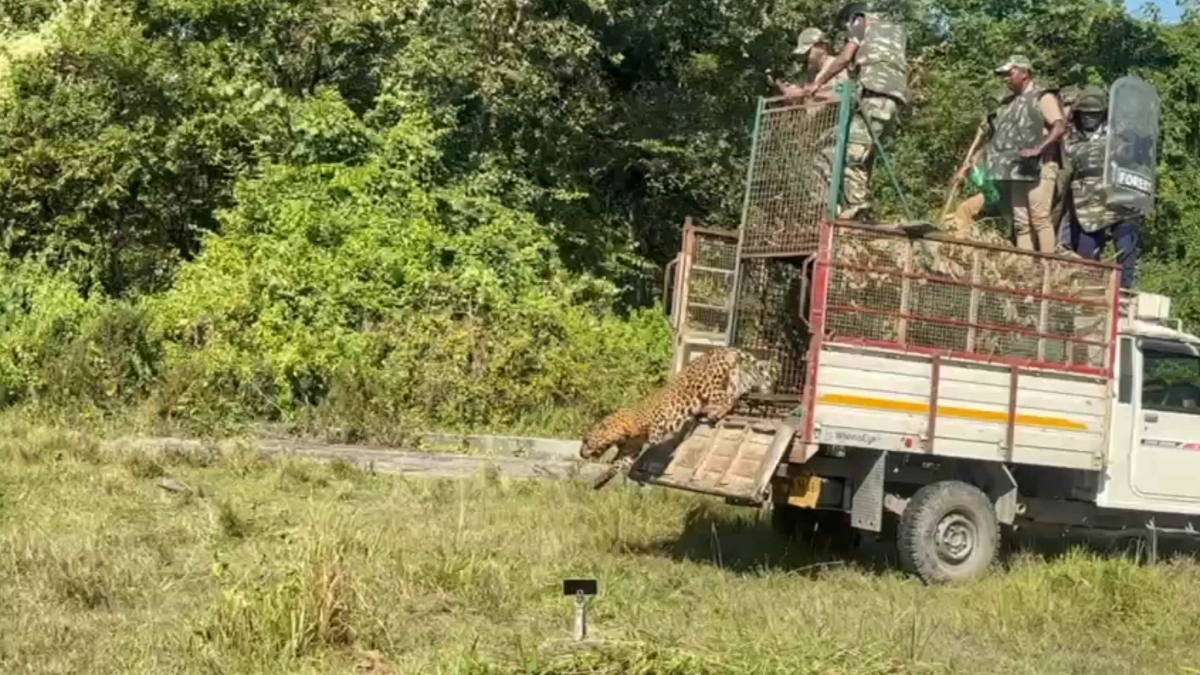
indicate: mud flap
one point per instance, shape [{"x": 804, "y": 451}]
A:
[
  {"x": 734, "y": 458},
  {"x": 866, "y": 507}
]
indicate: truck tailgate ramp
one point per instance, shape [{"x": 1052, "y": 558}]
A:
[{"x": 733, "y": 458}]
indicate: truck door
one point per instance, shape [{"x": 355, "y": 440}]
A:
[
  {"x": 701, "y": 291},
  {"x": 735, "y": 457},
  {"x": 1166, "y": 457}
]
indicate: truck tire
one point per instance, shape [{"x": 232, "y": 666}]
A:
[{"x": 948, "y": 533}]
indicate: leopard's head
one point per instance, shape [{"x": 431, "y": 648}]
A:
[
  {"x": 757, "y": 371},
  {"x": 607, "y": 432}
]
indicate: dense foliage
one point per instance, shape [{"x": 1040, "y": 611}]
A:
[{"x": 445, "y": 213}]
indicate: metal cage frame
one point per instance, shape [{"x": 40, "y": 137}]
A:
[
  {"x": 845, "y": 106},
  {"x": 817, "y": 265}
]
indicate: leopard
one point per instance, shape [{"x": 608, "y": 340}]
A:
[{"x": 708, "y": 386}]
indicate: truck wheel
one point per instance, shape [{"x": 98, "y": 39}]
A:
[{"x": 948, "y": 532}]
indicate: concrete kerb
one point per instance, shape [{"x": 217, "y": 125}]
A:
[
  {"x": 512, "y": 446},
  {"x": 445, "y": 455},
  {"x": 470, "y": 444}
]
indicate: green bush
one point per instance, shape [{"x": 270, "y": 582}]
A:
[
  {"x": 60, "y": 348},
  {"x": 358, "y": 291}
]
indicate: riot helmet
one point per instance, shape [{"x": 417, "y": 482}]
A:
[
  {"x": 1089, "y": 108},
  {"x": 1068, "y": 95},
  {"x": 852, "y": 9}
]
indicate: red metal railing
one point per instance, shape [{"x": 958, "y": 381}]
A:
[
  {"x": 887, "y": 282},
  {"x": 1000, "y": 305}
]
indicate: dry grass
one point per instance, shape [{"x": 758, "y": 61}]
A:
[{"x": 272, "y": 566}]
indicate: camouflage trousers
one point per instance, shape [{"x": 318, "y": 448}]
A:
[
  {"x": 876, "y": 115},
  {"x": 860, "y": 152},
  {"x": 821, "y": 168}
]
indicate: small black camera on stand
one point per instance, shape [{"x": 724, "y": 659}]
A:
[{"x": 582, "y": 589}]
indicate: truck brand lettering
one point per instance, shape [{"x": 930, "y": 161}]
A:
[{"x": 859, "y": 438}]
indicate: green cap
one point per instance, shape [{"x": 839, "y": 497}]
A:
[
  {"x": 1069, "y": 94},
  {"x": 1015, "y": 61},
  {"x": 808, "y": 38},
  {"x": 1091, "y": 99}
]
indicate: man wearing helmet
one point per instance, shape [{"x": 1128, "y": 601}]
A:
[
  {"x": 1062, "y": 214},
  {"x": 1097, "y": 220},
  {"x": 877, "y": 47}
]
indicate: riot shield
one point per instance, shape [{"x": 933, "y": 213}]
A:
[{"x": 1131, "y": 154}]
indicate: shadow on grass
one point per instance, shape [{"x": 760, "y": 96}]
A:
[
  {"x": 1049, "y": 544},
  {"x": 744, "y": 541}
]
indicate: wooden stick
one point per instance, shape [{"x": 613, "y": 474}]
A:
[{"x": 956, "y": 183}]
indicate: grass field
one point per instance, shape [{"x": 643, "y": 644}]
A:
[{"x": 286, "y": 566}]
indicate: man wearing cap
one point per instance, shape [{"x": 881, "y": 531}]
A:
[
  {"x": 1097, "y": 220},
  {"x": 813, "y": 47},
  {"x": 1022, "y": 154},
  {"x": 877, "y": 47},
  {"x": 1068, "y": 95}
]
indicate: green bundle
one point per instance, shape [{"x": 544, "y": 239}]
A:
[{"x": 982, "y": 179}]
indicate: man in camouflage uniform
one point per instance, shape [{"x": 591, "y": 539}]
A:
[
  {"x": 816, "y": 145},
  {"x": 1097, "y": 221},
  {"x": 813, "y": 47},
  {"x": 1062, "y": 215},
  {"x": 969, "y": 210},
  {"x": 876, "y": 46},
  {"x": 1022, "y": 154}
]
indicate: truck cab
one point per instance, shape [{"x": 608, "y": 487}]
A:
[{"x": 1154, "y": 447}]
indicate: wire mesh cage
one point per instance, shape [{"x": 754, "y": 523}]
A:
[
  {"x": 970, "y": 299},
  {"x": 789, "y": 182},
  {"x": 769, "y": 318},
  {"x": 710, "y": 279}
]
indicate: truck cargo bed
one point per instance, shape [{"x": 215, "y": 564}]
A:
[{"x": 925, "y": 404}]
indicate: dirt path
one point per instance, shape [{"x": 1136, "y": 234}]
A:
[{"x": 406, "y": 462}]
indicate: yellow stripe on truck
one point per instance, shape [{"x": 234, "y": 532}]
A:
[{"x": 893, "y": 405}]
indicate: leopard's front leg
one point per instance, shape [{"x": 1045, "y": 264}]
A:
[
  {"x": 630, "y": 453},
  {"x": 627, "y": 454},
  {"x": 719, "y": 406}
]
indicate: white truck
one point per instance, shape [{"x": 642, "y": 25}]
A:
[{"x": 942, "y": 388}]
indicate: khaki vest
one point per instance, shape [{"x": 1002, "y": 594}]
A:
[{"x": 1018, "y": 125}]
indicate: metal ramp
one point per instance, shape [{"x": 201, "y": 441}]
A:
[{"x": 733, "y": 458}]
